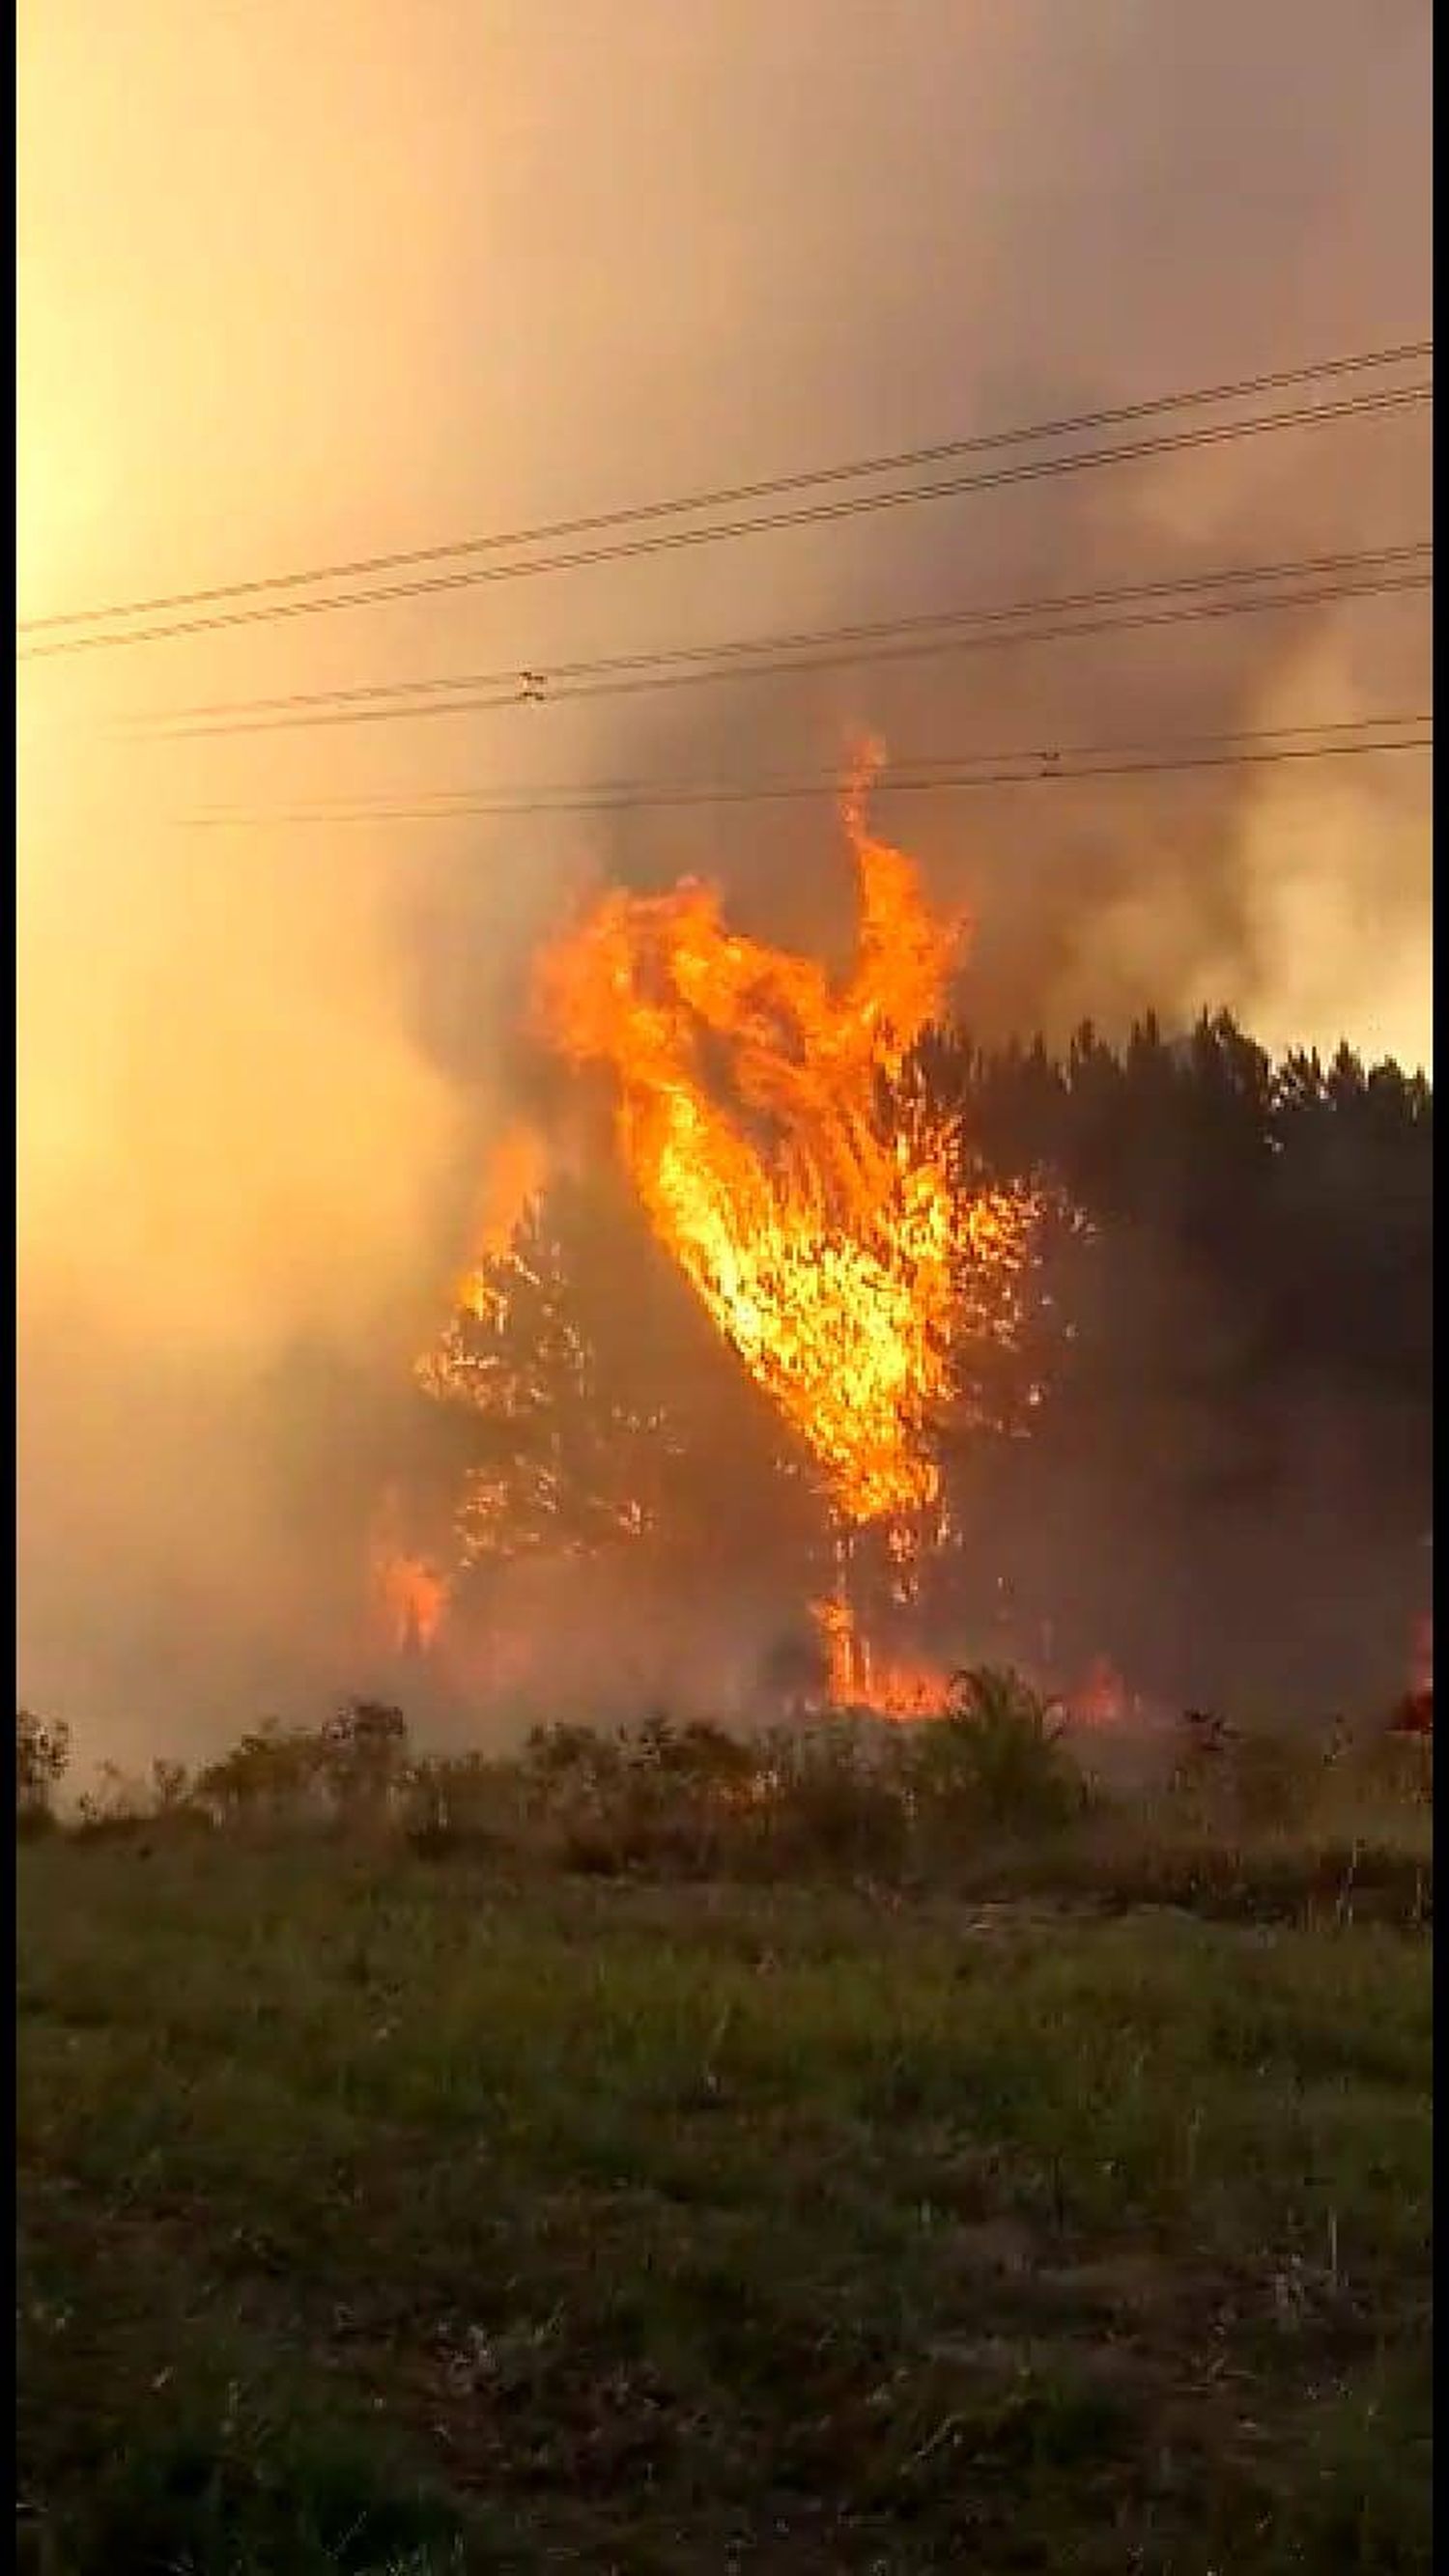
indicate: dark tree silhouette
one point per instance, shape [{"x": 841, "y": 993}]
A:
[{"x": 1208, "y": 1455}]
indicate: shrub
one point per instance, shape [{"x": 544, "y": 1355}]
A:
[
  {"x": 170, "y": 1787},
  {"x": 271, "y": 1775},
  {"x": 458, "y": 1802},
  {"x": 995, "y": 1760},
  {"x": 1272, "y": 1780},
  {"x": 362, "y": 1756},
  {"x": 697, "y": 1758},
  {"x": 42, "y": 1753},
  {"x": 830, "y": 1797},
  {"x": 962, "y": 1798},
  {"x": 117, "y": 1806},
  {"x": 567, "y": 1767}
]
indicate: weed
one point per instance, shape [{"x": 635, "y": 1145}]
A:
[{"x": 380, "y": 2213}]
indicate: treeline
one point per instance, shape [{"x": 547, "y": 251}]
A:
[
  {"x": 1306, "y": 1184},
  {"x": 1206, "y": 1457},
  {"x": 1228, "y": 1486}
]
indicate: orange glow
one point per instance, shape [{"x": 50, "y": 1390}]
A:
[
  {"x": 414, "y": 1598},
  {"x": 1102, "y": 1699},
  {"x": 516, "y": 1177},
  {"x": 411, "y": 1595},
  {"x": 1415, "y": 1712},
  {"x": 858, "y": 1677}
]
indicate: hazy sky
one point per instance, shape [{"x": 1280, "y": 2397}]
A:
[{"x": 306, "y": 279}]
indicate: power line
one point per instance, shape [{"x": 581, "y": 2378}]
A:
[
  {"x": 723, "y": 531},
  {"x": 914, "y": 763},
  {"x": 949, "y": 772},
  {"x": 726, "y": 496},
  {"x": 1185, "y": 614},
  {"x": 1191, "y": 613},
  {"x": 544, "y": 681}
]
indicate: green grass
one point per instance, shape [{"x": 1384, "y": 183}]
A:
[{"x": 385, "y": 2214}]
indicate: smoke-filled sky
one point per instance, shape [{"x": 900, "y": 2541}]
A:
[{"x": 307, "y": 283}]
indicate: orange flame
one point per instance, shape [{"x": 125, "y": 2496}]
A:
[
  {"x": 411, "y": 1596},
  {"x": 828, "y": 1243},
  {"x": 858, "y": 1677},
  {"x": 516, "y": 1176}
]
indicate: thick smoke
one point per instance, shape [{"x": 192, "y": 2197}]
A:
[{"x": 493, "y": 273}]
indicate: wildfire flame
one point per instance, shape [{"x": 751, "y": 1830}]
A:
[
  {"x": 818, "y": 1209},
  {"x": 857, "y": 1676},
  {"x": 516, "y": 1176},
  {"x": 827, "y": 1243},
  {"x": 413, "y": 1597},
  {"x": 410, "y": 1594}
]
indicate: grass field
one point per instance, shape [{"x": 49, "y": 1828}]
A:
[{"x": 379, "y": 2214}]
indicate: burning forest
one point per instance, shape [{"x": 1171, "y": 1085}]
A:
[
  {"x": 790, "y": 1319},
  {"x": 861, "y": 1274}
]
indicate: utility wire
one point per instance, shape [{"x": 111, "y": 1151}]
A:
[
  {"x": 727, "y": 495},
  {"x": 722, "y": 531},
  {"x": 915, "y": 763},
  {"x": 992, "y": 640},
  {"x": 541, "y": 681},
  {"x": 944, "y": 771}
]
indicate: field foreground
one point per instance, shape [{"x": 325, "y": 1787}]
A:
[{"x": 377, "y": 2213}]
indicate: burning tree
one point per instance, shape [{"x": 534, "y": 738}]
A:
[{"x": 823, "y": 1212}]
